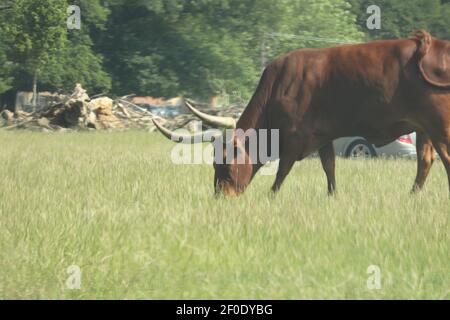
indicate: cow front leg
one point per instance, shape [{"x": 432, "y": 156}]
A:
[
  {"x": 425, "y": 158},
  {"x": 284, "y": 167},
  {"x": 327, "y": 157}
]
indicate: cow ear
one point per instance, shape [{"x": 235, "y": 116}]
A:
[{"x": 433, "y": 59}]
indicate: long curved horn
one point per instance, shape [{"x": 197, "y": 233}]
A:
[
  {"x": 207, "y": 136},
  {"x": 224, "y": 122}
]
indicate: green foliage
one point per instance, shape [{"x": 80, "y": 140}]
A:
[
  {"x": 321, "y": 23},
  {"x": 206, "y": 47},
  {"x": 38, "y": 39},
  {"x": 35, "y": 33},
  {"x": 197, "y": 48},
  {"x": 399, "y": 18},
  {"x": 5, "y": 68},
  {"x": 77, "y": 62}
]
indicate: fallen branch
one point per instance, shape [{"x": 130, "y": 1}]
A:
[{"x": 137, "y": 107}]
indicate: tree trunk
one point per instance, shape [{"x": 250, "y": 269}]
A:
[{"x": 35, "y": 76}]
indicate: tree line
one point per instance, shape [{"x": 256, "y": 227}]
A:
[{"x": 198, "y": 48}]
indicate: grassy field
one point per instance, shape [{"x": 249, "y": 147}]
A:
[{"x": 140, "y": 227}]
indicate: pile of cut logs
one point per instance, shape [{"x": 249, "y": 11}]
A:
[{"x": 78, "y": 111}]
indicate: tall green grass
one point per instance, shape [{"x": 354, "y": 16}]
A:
[{"x": 140, "y": 227}]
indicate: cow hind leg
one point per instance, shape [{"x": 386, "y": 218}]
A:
[
  {"x": 327, "y": 157},
  {"x": 425, "y": 159},
  {"x": 443, "y": 149}
]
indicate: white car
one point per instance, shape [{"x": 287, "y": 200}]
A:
[{"x": 358, "y": 147}]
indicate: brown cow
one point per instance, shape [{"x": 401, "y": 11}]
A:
[{"x": 379, "y": 90}]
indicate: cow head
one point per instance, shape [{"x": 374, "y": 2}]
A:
[
  {"x": 433, "y": 59},
  {"x": 233, "y": 168}
]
